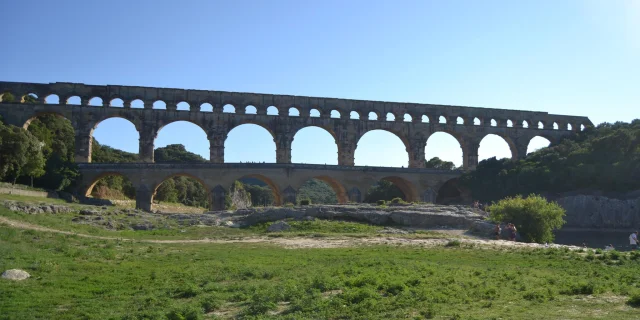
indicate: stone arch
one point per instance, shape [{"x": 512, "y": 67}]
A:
[
  {"x": 408, "y": 189},
  {"x": 492, "y": 136},
  {"x": 116, "y": 102},
  {"x": 336, "y": 114},
  {"x": 525, "y": 124},
  {"x": 390, "y": 117},
  {"x": 337, "y": 187},
  {"x": 310, "y": 146},
  {"x": 132, "y": 122},
  {"x": 206, "y": 107},
  {"x": 509, "y": 123},
  {"x": 373, "y": 116},
  {"x": 272, "y": 111},
  {"x": 555, "y": 126},
  {"x": 241, "y": 147},
  {"x": 494, "y": 123},
  {"x": 137, "y": 104},
  {"x": 407, "y": 118},
  {"x": 476, "y": 121},
  {"x": 294, "y": 112},
  {"x": 182, "y": 174},
  {"x": 354, "y": 115},
  {"x": 442, "y": 120},
  {"x": 195, "y": 136},
  {"x": 277, "y": 194},
  {"x": 73, "y": 100},
  {"x": 183, "y": 105},
  {"x": 538, "y": 142},
  {"x": 96, "y": 102},
  {"x": 314, "y": 113},
  {"x": 403, "y": 139},
  {"x": 425, "y": 119},
  {"x": 460, "y": 120},
  {"x": 228, "y": 108},
  {"x": 159, "y": 104},
  {"x": 38, "y": 114},
  {"x": 88, "y": 189},
  {"x": 250, "y": 109},
  {"x": 449, "y": 192},
  {"x": 438, "y": 146},
  {"x": 52, "y": 99}
]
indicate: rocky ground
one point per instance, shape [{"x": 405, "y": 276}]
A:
[{"x": 400, "y": 216}]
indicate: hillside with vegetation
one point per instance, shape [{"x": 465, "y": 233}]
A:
[{"x": 605, "y": 158}]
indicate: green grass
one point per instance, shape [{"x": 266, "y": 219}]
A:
[{"x": 79, "y": 278}]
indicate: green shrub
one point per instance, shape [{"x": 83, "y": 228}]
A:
[
  {"x": 381, "y": 202},
  {"x": 289, "y": 205},
  {"x": 397, "y": 200},
  {"x": 534, "y": 216},
  {"x": 453, "y": 243},
  {"x": 305, "y": 202},
  {"x": 634, "y": 300}
]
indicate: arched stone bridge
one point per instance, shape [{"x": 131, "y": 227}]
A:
[
  {"x": 412, "y": 123},
  {"x": 349, "y": 183}
]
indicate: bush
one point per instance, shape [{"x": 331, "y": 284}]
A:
[
  {"x": 381, "y": 202},
  {"x": 305, "y": 202},
  {"x": 634, "y": 300},
  {"x": 534, "y": 216},
  {"x": 397, "y": 200},
  {"x": 289, "y": 205}
]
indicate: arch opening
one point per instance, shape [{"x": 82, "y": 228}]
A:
[
  {"x": 159, "y": 105},
  {"x": 181, "y": 190},
  {"x": 536, "y": 143},
  {"x": 294, "y": 112},
  {"x": 253, "y": 190},
  {"x": 555, "y": 126},
  {"x": 407, "y": 118},
  {"x": 171, "y": 146},
  {"x": 442, "y": 119},
  {"x": 112, "y": 186},
  {"x": 183, "y": 106},
  {"x": 525, "y": 124},
  {"x": 74, "y": 100},
  {"x": 354, "y": 115},
  {"x": 314, "y": 113},
  {"x": 250, "y": 110},
  {"x": 494, "y": 123},
  {"x": 57, "y": 137},
  {"x": 272, "y": 111},
  {"x": 206, "y": 107},
  {"x": 228, "y": 108},
  {"x": 381, "y": 148},
  {"x": 322, "y": 190},
  {"x": 425, "y": 119},
  {"x": 476, "y": 121},
  {"x": 493, "y": 145},
  {"x": 540, "y": 125},
  {"x": 137, "y": 104},
  {"x": 569, "y": 126},
  {"x": 116, "y": 103},
  {"x": 509, "y": 124},
  {"x": 450, "y": 193},
  {"x": 459, "y": 120},
  {"x": 314, "y": 145},
  {"x": 391, "y": 116},
  {"x": 52, "y": 99},
  {"x": 373, "y": 116},
  {"x": 389, "y": 188},
  {"x": 96, "y": 101},
  {"x": 335, "y": 114},
  {"x": 114, "y": 140},
  {"x": 445, "y": 147},
  {"x": 250, "y": 143},
  {"x": 582, "y": 127}
]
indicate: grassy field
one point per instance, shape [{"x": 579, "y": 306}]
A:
[
  {"x": 83, "y": 278},
  {"x": 80, "y": 278}
]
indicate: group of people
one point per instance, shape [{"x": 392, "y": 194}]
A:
[{"x": 512, "y": 231}]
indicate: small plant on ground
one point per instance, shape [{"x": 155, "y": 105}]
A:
[
  {"x": 634, "y": 300},
  {"x": 381, "y": 202},
  {"x": 453, "y": 243},
  {"x": 397, "y": 200}
]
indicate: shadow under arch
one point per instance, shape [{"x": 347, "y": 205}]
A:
[
  {"x": 277, "y": 194},
  {"x": 450, "y": 192},
  {"x": 407, "y": 188},
  {"x": 187, "y": 175}
]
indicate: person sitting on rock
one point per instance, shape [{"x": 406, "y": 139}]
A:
[{"x": 497, "y": 230}]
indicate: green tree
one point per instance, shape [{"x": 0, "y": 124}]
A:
[
  {"x": 20, "y": 154},
  {"x": 383, "y": 190},
  {"x": 437, "y": 163},
  {"x": 534, "y": 217}
]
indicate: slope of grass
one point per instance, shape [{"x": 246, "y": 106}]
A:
[{"x": 79, "y": 278}]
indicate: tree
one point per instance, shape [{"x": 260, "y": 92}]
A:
[
  {"x": 20, "y": 154},
  {"x": 534, "y": 217},
  {"x": 437, "y": 163},
  {"x": 383, "y": 190}
]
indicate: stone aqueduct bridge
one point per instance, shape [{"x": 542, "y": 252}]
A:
[{"x": 467, "y": 124}]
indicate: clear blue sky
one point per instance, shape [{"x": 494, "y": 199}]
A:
[{"x": 564, "y": 57}]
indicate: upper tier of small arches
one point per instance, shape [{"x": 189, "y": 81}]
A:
[{"x": 280, "y": 105}]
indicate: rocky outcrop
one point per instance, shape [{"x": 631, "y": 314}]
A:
[
  {"x": 596, "y": 211},
  {"x": 33, "y": 208},
  {"x": 417, "y": 216},
  {"x": 15, "y": 274}
]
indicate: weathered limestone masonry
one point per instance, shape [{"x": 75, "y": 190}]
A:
[{"x": 468, "y": 125}]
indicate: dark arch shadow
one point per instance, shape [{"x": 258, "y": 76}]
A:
[
  {"x": 407, "y": 188},
  {"x": 450, "y": 193}
]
